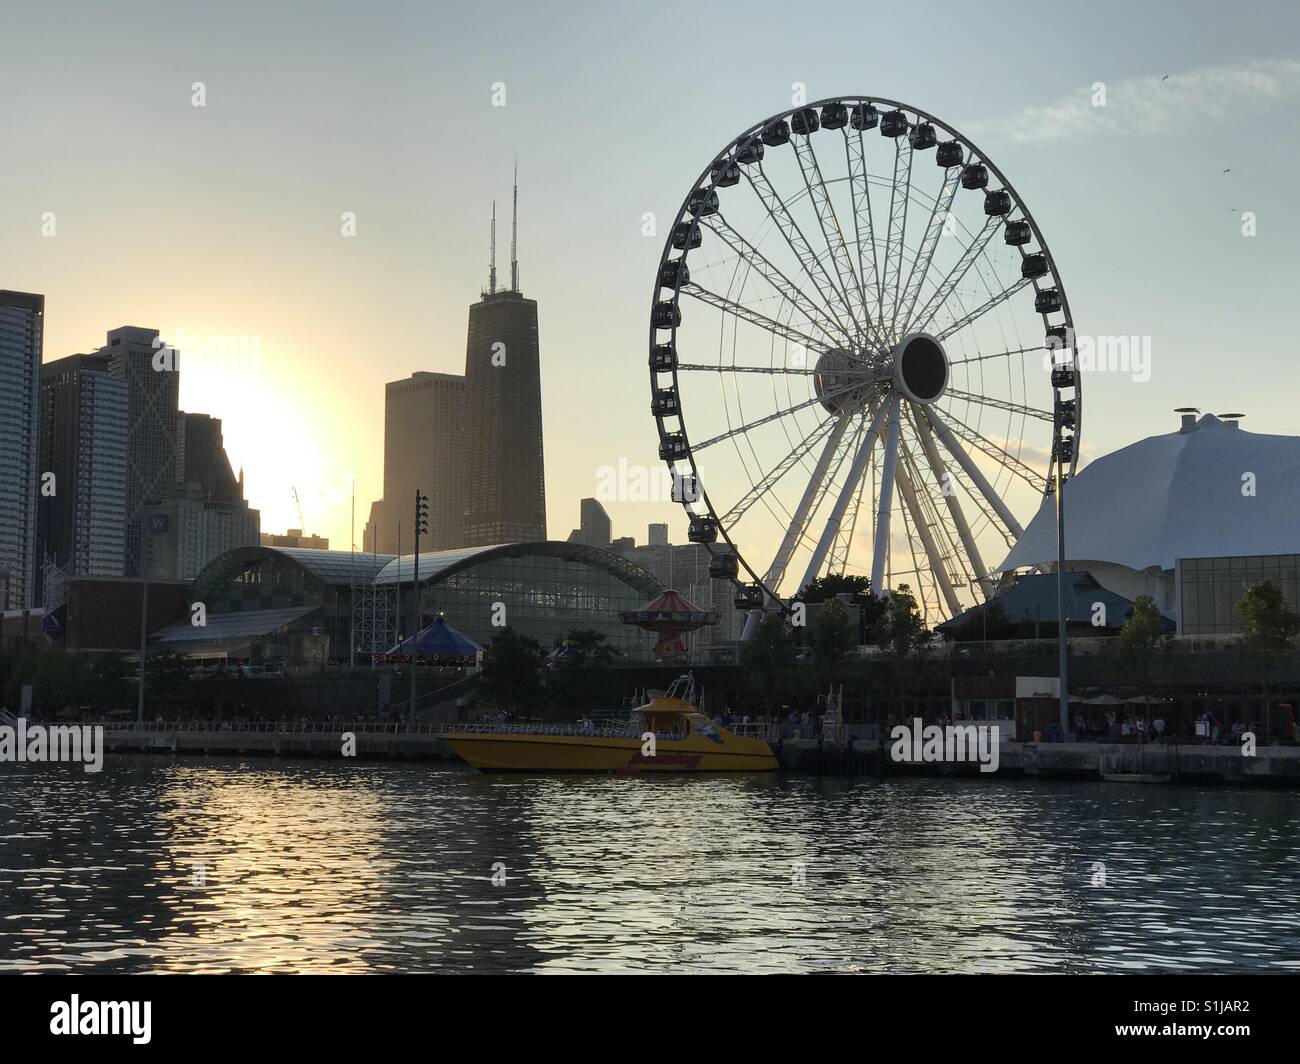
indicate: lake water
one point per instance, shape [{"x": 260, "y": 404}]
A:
[{"x": 163, "y": 864}]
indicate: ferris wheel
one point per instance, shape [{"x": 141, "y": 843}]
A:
[{"x": 861, "y": 358}]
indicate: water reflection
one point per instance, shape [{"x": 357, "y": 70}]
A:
[{"x": 193, "y": 865}]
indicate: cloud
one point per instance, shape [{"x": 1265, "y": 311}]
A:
[{"x": 1212, "y": 94}]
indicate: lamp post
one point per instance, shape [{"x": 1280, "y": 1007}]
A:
[
  {"x": 1063, "y": 665},
  {"x": 144, "y": 628},
  {"x": 421, "y": 528},
  {"x": 148, "y": 524}
]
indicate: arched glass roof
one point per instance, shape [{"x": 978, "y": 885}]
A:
[
  {"x": 438, "y": 565},
  {"x": 335, "y": 568}
]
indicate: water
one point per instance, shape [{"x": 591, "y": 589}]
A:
[{"x": 205, "y": 865}]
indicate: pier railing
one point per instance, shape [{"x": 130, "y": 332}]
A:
[
  {"x": 307, "y": 727},
  {"x": 601, "y": 729}
]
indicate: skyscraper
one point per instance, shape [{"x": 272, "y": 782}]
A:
[
  {"x": 81, "y": 527},
  {"x": 201, "y": 458},
  {"x": 204, "y": 513},
  {"x": 594, "y": 528},
  {"x": 505, "y": 488},
  {"x": 22, "y": 324},
  {"x": 423, "y": 444},
  {"x": 152, "y": 390}
]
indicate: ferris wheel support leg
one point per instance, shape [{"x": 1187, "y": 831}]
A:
[
  {"x": 927, "y": 541},
  {"x": 776, "y": 571},
  {"x": 972, "y": 471},
  {"x": 935, "y": 462},
  {"x": 847, "y": 492},
  {"x": 881, "y": 548}
]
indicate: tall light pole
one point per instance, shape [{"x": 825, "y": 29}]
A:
[
  {"x": 148, "y": 524},
  {"x": 1062, "y": 649},
  {"x": 421, "y": 527}
]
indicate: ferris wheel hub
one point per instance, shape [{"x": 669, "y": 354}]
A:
[
  {"x": 843, "y": 381},
  {"x": 920, "y": 368}
]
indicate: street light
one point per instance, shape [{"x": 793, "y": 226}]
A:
[
  {"x": 421, "y": 528},
  {"x": 1063, "y": 455},
  {"x": 149, "y": 524}
]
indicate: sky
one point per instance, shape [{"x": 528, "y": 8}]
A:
[{"x": 125, "y": 204}]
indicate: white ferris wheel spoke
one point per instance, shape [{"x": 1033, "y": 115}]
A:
[
  {"x": 850, "y": 290},
  {"x": 938, "y": 218},
  {"x": 784, "y": 287},
  {"x": 787, "y": 463},
  {"x": 730, "y": 306},
  {"x": 942, "y": 479},
  {"x": 980, "y": 442},
  {"x": 897, "y": 222},
  {"x": 927, "y": 540},
  {"x": 794, "y": 533},
  {"x": 798, "y": 243},
  {"x": 943, "y": 291},
  {"x": 997, "y": 299},
  {"x": 973, "y": 471},
  {"x": 863, "y": 229},
  {"x": 846, "y": 494},
  {"x": 1002, "y": 404}
]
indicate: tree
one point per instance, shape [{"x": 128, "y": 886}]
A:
[
  {"x": 512, "y": 672},
  {"x": 1138, "y": 653},
  {"x": 58, "y": 679},
  {"x": 1268, "y": 631},
  {"x": 831, "y": 636},
  {"x": 985, "y": 622},
  {"x": 858, "y": 588},
  {"x": 901, "y": 634},
  {"x": 166, "y": 675},
  {"x": 769, "y": 658},
  {"x": 110, "y": 682},
  {"x": 582, "y": 678}
]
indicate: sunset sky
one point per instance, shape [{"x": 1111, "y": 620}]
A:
[{"x": 224, "y": 220}]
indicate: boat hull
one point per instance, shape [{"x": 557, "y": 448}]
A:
[{"x": 547, "y": 753}]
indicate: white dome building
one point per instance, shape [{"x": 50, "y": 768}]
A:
[{"x": 1190, "y": 518}]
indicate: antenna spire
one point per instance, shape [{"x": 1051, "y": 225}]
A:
[
  {"x": 492, "y": 269},
  {"x": 514, "y": 234}
]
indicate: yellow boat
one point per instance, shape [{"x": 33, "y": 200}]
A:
[{"x": 667, "y": 734}]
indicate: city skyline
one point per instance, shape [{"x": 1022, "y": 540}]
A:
[{"x": 303, "y": 407}]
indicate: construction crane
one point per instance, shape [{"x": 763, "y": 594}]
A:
[{"x": 302, "y": 524}]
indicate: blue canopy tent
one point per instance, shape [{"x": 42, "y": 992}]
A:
[{"x": 438, "y": 644}]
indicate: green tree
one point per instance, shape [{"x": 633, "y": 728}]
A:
[
  {"x": 831, "y": 636},
  {"x": 512, "y": 672},
  {"x": 59, "y": 680},
  {"x": 901, "y": 634},
  {"x": 985, "y": 622},
  {"x": 769, "y": 659},
  {"x": 111, "y": 682},
  {"x": 1138, "y": 655},
  {"x": 166, "y": 675},
  {"x": 582, "y": 678},
  {"x": 858, "y": 588},
  {"x": 1269, "y": 627}
]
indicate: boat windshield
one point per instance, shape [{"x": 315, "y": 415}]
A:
[{"x": 682, "y": 688}]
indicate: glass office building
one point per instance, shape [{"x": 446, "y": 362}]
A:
[
  {"x": 1210, "y": 589},
  {"x": 22, "y": 326}
]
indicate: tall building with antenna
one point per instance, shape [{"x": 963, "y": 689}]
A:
[{"x": 504, "y": 485}]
